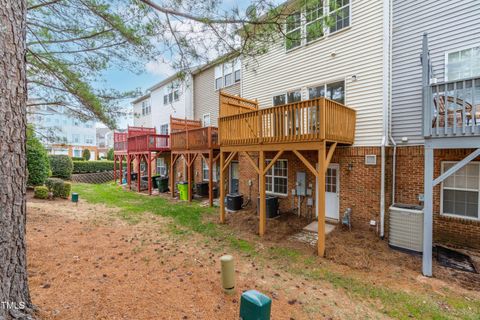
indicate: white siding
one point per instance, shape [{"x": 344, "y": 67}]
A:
[
  {"x": 451, "y": 25},
  {"x": 140, "y": 120},
  {"x": 358, "y": 51}
]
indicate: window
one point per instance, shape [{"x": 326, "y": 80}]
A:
[
  {"x": 339, "y": 14},
  {"x": 165, "y": 99},
  {"x": 170, "y": 97},
  {"x": 277, "y": 178},
  {"x": 314, "y": 20},
  {"x": 460, "y": 191},
  {"x": 227, "y": 74},
  {"x": 145, "y": 108},
  {"x": 77, "y": 153},
  {"x": 162, "y": 167},
  {"x": 462, "y": 64},
  {"x": 89, "y": 125},
  {"x": 279, "y": 100},
  {"x": 88, "y": 139},
  {"x": 176, "y": 95},
  {"x": 308, "y": 24},
  {"x": 333, "y": 91},
  {"x": 293, "y": 33},
  {"x": 164, "y": 129},
  {"x": 75, "y": 138},
  {"x": 206, "y": 120},
  {"x": 205, "y": 171}
]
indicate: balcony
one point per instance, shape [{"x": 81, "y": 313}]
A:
[
  {"x": 120, "y": 142},
  {"x": 319, "y": 119},
  {"x": 452, "y": 109},
  {"x": 149, "y": 142},
  {"x": 195, "y": 139}
]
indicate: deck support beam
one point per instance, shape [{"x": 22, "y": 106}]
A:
[
  {"x": 121, "y": 170},
  {"x": 138, "y": 159},
  {"x": 210, "y": 178},
  {"x": 115, "y": 169},
  {"x": 321, "y": 199},
  {"x": 129, "y": 171},
  {"x": 149, "y": 175},
  {"x": 428, "y": 214},
  {"x": 262, "y": 225},
  {"x": 222, "y": 187}
]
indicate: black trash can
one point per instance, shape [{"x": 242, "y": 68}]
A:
[
  {"x": 202, "y": 189},
  {"x": 162, "y": 184},
  {"x": 272, "y": 206},
  {"x": 234, "y": 201},
  {"x": 155, "y": 182},
  {"x": 133, "y": 176}
]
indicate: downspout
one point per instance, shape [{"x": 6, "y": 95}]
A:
[
  {"x": 386, "y": 90},
  {"x": 392, "y": 140}
]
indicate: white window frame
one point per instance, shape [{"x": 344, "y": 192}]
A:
[
  {"x": 205, "y": 171},
  {"x": 273, "y": 176},
  {"x": 326, "y": 28},
  {"x": 325, "y": 84},
  {"x": 322, "y": 17},
  {"x": 75, "y": 137},
  {"x": 442, "y": 196},
  {"x": 162, "y": 127},
  {"x": 161, "y": 167},
  {"x": 226, "y": 69},
  {"x": 458, "y": 50},
  {"x": 206, "y": 115}
]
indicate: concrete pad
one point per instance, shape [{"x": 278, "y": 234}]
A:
[{"x": 313, "y": 227}]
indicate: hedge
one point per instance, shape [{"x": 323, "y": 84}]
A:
[
  {"x": 61, "y": 165},
  {"x": 40, "y": 192},
  {"x": 92, "y": 166},
  {"x": 58, "y": 187},
  {"x": 37, "y": 161},
  {"x": 77, "y": 159}
]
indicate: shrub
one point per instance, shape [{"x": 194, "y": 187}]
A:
[
  {"x": 77, "y": 159},
  {"x": 58, "y": 187},
  {"x": 92, "y": 166},
  {"x": 38, "y": 165},
  {"x": 86, "y": 154},
  {"x": 40, "y": 192},
  {"x": 61, "y": 165},
  {"x": 110, "y": 154}
]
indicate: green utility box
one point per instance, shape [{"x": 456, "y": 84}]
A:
[
  {"x": 162, "y": 184},
  {"x": 183, "y": 190},
  {"x": 255, "y": 306},
  {"x": 74, "y": 197}
]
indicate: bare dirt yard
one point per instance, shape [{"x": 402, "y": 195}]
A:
[{"x": 120, "y": 255}]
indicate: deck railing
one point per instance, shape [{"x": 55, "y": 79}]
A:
[
  {"x": 149, "y": 142},
  {"x": 195, "y": 139},
  {"x": 311, "y": 120},
  {"x": 452, "y": 109},
  {"x": 120, "y": 141}
]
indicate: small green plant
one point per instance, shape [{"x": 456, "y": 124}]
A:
[
  {"x": 40, "y": 192},
  {"x": 37, "y": 160},
  {"x": 86, "y": 154},
  {"x": 110, "y": 154},
  {"x": 61, "y": 165},
  {"x": 58, "y": 187}
]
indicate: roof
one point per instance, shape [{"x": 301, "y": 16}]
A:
[
  {"x": 214, "y": 62},
  {"x": 145, "y": 96},
  {"x": 164, "y": 82}
]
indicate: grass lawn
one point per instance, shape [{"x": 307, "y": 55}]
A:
[{"x": 190, "y": 217}]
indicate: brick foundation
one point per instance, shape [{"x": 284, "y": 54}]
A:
[{"x": 409, "y": 185}]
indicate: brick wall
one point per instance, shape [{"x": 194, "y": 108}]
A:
[
  {"x": 409, "y": 185},
  {"x": 359, "y": 187}
]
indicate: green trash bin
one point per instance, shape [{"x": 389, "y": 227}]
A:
[
  {"x": 162, "y": 184},
  {"x": 183, "y": 190},
  {"x": 255, "y": 306}
]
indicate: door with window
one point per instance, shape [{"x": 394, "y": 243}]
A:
[
  {"x": 234, "y": 180},
  {"x": 332, "y": 192}
]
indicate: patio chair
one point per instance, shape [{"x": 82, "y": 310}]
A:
[{"x": 347, "y": 219}]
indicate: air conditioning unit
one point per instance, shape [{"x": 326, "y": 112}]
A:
[{"x": 406, "y": 227}]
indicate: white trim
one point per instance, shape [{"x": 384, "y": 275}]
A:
[
  {"x": 209, "y": 119},
  {"x": 470, "y": 190},
  {"x": 446, "y": 61},
  {"x": 273, "y": 178}
]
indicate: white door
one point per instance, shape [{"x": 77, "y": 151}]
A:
[{"x": 332, "y": 192}]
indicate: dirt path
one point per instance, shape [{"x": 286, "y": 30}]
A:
[{"x": 85, "y": 263}]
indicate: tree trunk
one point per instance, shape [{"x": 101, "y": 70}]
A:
[{"x": 15, "y": 300}]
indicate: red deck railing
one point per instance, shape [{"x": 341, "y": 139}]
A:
[{"x": 149, "y": 142}]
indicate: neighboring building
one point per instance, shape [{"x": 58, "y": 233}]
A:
[
  {"x": 104, "y": 141},
  {"x": 170, "y": 97},
  {"x": 62, "y": 133},
  {"x": 435, "y": 134},
  {"x": 348, "y": 63}
]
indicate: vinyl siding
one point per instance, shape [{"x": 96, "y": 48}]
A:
[
  {"x": 451, "y": 25},
  {"x": 205, "y": 97},
  {"x": 358, "y": 51}
]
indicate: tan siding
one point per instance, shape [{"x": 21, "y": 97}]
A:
[
  {"x": 358, "y": 51},
  {"x": 205, "y": 97}
]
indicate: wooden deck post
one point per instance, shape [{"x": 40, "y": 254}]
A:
[
  {"x": 263, "y": 206},
  {"x": 210, "y": 177},
  {"x": 149, "y": 168},
  {"x": 121, "y": 170},
  {"x": 115, "y": 169},
  {"x": 129, "y": 171},
  {"x": 222, "y": 187},
  {"x": 172, "y": 175},
  {"x": 139, "y": 159},
  {"x": 189, "y": 176},
  {"x": 321, "y": 199}
]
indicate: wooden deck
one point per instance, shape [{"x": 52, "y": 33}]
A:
[
  {"x": 195, "y": 139},
  {"x": 306, "y": 121},
  {"x": 149, "y": 142}
]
